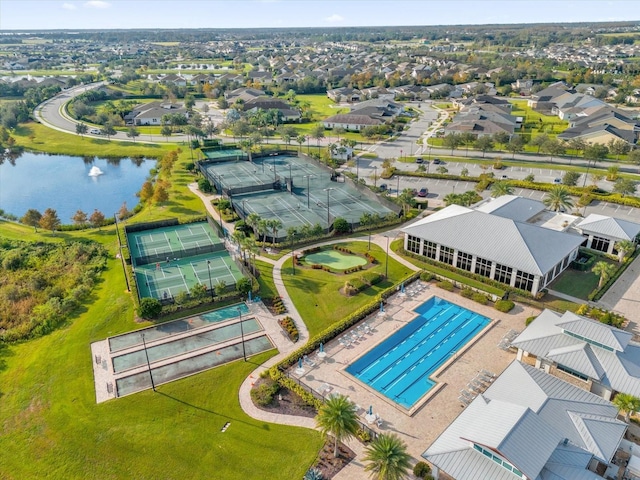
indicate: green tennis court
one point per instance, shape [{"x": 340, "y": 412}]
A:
[
  {"x": 178, "y": 241},
  {"x": 164, "y": 280},
  {"x": 224, "y": 153}
]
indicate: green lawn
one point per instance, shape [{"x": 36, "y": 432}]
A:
[
  {"x": 315, "y": 293},
  {"x": 265, "y": 280},
  {"x": 575, "y": 283},
  {"x": 52, "y": 427}
]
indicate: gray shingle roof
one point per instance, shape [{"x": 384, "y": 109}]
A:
[
  {"x": 609, "y": 227},
  {"x": 525, "y": 416},
  {"x": 515, "y": 244}
]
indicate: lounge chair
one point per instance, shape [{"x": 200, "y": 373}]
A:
[{"x": 308, "y": 361}]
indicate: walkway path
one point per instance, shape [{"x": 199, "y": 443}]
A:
[
  {"x": 624, "y": 296},
  {"x": 355, "y": 470}
]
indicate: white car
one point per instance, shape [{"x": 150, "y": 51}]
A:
[{"x": 94, "y": 131}]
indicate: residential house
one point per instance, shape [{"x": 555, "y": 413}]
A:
[
  {"x": 243, "y": 94},
  {"x": 350, "y": 122},
  {"x": 152, "y": 113},
  {"x": 344, "y": 94},
  {"x": 288, "y": 113}
]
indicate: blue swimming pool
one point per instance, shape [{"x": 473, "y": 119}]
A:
[{"x": 400, "y": 367}]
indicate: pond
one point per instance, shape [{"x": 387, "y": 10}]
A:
[{"x": 64, "y": 183}]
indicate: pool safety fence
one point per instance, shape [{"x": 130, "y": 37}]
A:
[{"x": 161, "y": 256}]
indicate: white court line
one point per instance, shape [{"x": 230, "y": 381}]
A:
[
  {"x": 294, "y": 212},
  {"x": 228, "y": 269}
]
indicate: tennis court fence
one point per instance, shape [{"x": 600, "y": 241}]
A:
[{"x": 186, "y": 252}]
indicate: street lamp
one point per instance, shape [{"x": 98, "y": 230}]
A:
[
  {"x": 308, "y": 189},
  {"x": 375, "y": 175},
  {"x": 386, "y": 262},
  {"x": 328, "y": 190},
  {"x": 144, "y": 344},
  {"x": 244, "y": 353},
  {"x": 357, "y": 168},
  {"x": 398, "y": 186},
  {"x": 290, "y": 179},
  {"x": 210, "y": 284}
]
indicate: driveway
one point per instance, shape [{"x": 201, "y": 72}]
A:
[{"x": 624, "y": 296}]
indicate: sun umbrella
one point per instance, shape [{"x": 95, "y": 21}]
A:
[
  {"x": 370, "y": 409},
  {"x": 401, "y": 288},
  {"x": 381, "y": 306},
  {"x": 321, "y": 347},
  {"x": 300, "y": 362}
]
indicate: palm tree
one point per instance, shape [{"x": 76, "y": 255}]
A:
[
  {"x": 252, "y": 220},
  {"x": 627, "y": 403},
  {"x": 557, "y": 198},
  {"x": 605, "y": 270},
  {"x": 499, "y": 189},
  {"x": 274, "y": 225},
  {"x": 388, "y": 458},
  {"x": 338, "y": 417},
  {"x": 262, "y": 227},
  {"x": 625, "y": 247}
]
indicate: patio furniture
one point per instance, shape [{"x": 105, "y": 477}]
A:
[{"x": 307, "y": 361}]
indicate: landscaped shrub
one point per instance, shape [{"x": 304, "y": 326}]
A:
[
  {"x": 421, "y": 469},
  {"x": 289, "y": 326},
  {"x": 601, "y": 315},
  {"x": 363, "y": 435},
  {"x": 264, "y": 394},
  {"x": 467, "y": 293},
  {"x": 149, "y": 308},
  {"x": 370, "y": 258},
  {"x": 480, "y": 298},
  {"x": 504, "y": 306},
  {"x": 358, "y": 284},
  {"x": 529, "y": 320},
  {"x": 426, "y": 276},
  {"x": 349, "y": 289},
  {"x": 445, "y": 285}
]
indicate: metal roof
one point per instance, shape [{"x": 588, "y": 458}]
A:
[
  {"x": 597, "y": 331},
  {"x": 525, "y": 416},
  {"x": 609, "y": 227},
  {"x": 511, "y": 206},
  {"x": 618, "y": 370},
  {"x": 515, "y": 244}
]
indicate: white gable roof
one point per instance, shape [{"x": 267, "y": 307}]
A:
[
  {"x": 609, "y": 227},
  {"x": 514, "y": 244},
  {"x": 511, "y": 206},
  {"x": 619, "y": 369},
  {"x": 539, "y": 423}
]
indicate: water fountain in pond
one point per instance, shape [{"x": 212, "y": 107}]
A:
[{"x": 95, "y": 171}]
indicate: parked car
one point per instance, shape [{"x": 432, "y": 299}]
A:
[
  {"x": 504, "y": 177},
  {"x": 383, "y": 187},
  {"x": 419, "y": 160},
  {"x": 94, "y": 131},
  {"x": 557, "y": 180},
  {"x": 414, "y": 192},
  {"x": 437, "y": 161},
  {"x": 423, "y": 192}
]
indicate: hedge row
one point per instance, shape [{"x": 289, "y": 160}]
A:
[
  {"x": 471, "y": 279},
  {"x": 276, "y": 372}
]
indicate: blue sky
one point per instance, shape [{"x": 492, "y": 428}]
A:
[{"x": 101, "y": 14}]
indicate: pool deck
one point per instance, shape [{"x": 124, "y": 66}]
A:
[{"x": 420, "y": 428}]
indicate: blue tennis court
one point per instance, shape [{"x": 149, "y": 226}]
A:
[{"x": 400, "y": 367}]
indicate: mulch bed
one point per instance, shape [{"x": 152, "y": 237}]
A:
[{"x": 288, "y": 403}]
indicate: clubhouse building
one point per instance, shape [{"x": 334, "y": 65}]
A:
[
  {"x": 513, "y": 240},
  {"x": 509, "y": 239}
]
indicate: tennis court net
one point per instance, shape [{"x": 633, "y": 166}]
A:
[{"x": 192, "y": 251}]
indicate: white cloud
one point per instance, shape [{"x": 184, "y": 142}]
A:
[
  {"x": 335, "y": 18},
  {"x": 69, "y": 6},
  {"x": 97, "y": 4}
]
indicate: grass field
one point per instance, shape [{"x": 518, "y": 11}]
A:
[
  {"x": 52, "y": 427},
  {"x": 315, "y": 293}
]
